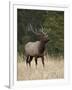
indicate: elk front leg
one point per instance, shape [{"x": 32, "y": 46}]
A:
[
  {"x": 36, "y": 61},
  {"x": 42, "y": 60}
]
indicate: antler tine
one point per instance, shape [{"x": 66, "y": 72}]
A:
[
  {"x": 34, "y": 31},
  {"x": 31, "y": 27},
  {"x": 42, "y": 30}
]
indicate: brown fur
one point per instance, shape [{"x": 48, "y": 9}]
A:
[{"x": 41, "y": 49}]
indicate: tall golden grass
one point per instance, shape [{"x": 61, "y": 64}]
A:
[{"x": 54, "y": 69}]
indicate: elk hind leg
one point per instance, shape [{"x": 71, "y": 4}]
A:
[
  {"x": 31, "y": 57},
  {"x": 27, "y": 60}
]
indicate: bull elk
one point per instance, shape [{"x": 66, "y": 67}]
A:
[{"x": 36, "y": 49}]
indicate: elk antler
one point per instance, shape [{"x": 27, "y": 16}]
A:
[
  {"x": 42, "y": 30},
  {"x": 44, "y": 33},
  {"x": 35, "y": 31}
]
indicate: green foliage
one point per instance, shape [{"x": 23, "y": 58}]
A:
[{"x": 52, "y": 22}]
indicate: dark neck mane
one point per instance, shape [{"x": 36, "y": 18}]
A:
[{"x": 42, "y": 47}]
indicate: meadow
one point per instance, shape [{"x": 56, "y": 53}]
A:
[{"x": 53, "y": 69}]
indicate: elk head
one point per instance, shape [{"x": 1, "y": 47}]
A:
[{"x": 43, "y": 37}]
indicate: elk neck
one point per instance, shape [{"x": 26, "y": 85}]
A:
[{"x": 42, "y": 46}]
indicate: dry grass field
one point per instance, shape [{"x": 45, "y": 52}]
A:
[{"x": 54, "y": 69}]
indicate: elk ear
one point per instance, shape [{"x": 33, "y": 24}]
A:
[
  {"x": 41, "y": 37},
  {"x": 39, "y": 34}
]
